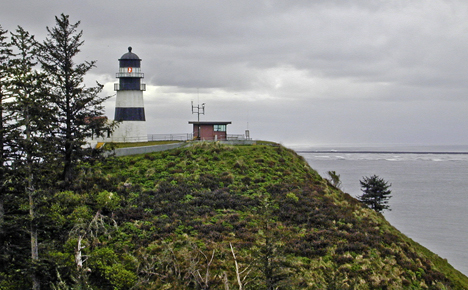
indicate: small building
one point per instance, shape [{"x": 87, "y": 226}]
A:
[{"x": 208, "y": 130}]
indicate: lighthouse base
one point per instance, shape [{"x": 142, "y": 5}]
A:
[{"x": 130, "y": 131}]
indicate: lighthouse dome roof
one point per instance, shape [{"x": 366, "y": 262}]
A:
[{"x": 130, "y": 55}]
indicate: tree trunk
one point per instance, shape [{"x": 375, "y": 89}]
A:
[
  {"x": 2, "y": 209},
  {"x": 2, "y": 163},
  {"x": 32, "y": 216},
  {"x": 67, "y": 171},
  {"x": 34, "y": 243}
]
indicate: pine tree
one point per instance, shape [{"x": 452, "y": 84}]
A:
[
  {"x": 376, "y": 193},
  {"x": 45, "y": 119},
  {"x": 5, "y": 56},
  {"x": 334, "y": 179},
  {"x": 31, "y": 143},
  {"x": 275, "y": 271},
  {"x": 79, "y": 109},
  {"x": 12, "y": 247}
]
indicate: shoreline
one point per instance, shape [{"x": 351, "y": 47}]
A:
[{"x": 380, "y": 152}]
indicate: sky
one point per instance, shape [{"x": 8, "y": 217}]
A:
[{"x": 316, "y": 72}]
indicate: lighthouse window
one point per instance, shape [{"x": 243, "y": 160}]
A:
[
  {"x": 130, "y": 62},
  {"x": 129, "y": 70},
  {"x": 219, "y": 128}
]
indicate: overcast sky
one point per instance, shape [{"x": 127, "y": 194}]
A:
[{"x": 295, "y": 72}]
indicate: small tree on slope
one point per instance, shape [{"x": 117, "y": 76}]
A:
[
  {"x": 376, "y": 193},
  {"x": 334, "y": 179}
]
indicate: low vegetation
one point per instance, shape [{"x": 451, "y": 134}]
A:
[
  {"x": 116, "y": 145},
  {"x": 211, "y": 216}
]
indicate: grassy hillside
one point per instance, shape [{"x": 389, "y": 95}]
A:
[
  {"x": 116, "y": 145},
  {"x": 221, "y": 217}
]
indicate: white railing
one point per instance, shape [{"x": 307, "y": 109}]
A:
[
  {"x": 190, "y": 136},
  {"x": 236, "y": 137},
  {"x": 170, "y": 137},
  {"x": 129, "y": 75}
]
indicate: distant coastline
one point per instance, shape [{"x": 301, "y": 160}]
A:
[
  {"x": 381, "y": 149},
  {"x": 379, "y": 152}
]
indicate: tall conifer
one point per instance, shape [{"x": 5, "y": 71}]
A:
[
  {"x": 31, "y": 131},
  {"x": 79, "y": 109},
  {"x": 5, "y": 56}
]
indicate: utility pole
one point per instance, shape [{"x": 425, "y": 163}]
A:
[{"x": 199, "y": 110}]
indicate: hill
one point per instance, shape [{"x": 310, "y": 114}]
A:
[{"x": 211, "y": 216}]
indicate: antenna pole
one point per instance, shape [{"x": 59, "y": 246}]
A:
[{"x": 199, "y": 110}]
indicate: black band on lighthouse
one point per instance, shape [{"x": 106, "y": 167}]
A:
[
  {"x": 129, "y": 84},
  {"x": 130, "y": 114}
]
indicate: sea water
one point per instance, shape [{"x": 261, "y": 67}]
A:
[{"x": 429, "y": 192}]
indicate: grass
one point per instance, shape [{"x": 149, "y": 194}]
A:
[
  {"x": 185, "y": 208},
  {"x": 264, "y": 142},
  {"x": 443, "y": 265},
  {"x": 116, "y": 145}
]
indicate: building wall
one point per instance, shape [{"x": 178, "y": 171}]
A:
[
  {"x": 220, "y": 135},
  {"x": 129, "y": 99},
  {"x": 207, "y": 133},
  {"x": 130, "y": 131}
]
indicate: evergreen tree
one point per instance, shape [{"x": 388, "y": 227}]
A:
[
  {"x": 79, "y": 109},
  {"x": 31, "y": 143},
  {"x": 376, "y": 193},
  {"x": 5, "y": 56},
  {"x": 275, "y": 271},
  {"x": 334, "y": 179},
  {"x": 7, "y": 254}
]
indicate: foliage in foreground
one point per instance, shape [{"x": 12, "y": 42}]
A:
[
  {"x": 46, "y": 115},
  {"x": 218, "y": 217}
]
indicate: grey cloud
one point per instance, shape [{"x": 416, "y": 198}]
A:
[{"x": 341, "y": 71}]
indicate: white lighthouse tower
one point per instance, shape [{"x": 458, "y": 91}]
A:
[{"x": 129, "y": 106}]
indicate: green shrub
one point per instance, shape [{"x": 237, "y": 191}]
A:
[{"x": 108, "y": 200}]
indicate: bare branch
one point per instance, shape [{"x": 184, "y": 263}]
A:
[{"x": 239, "y": 281}]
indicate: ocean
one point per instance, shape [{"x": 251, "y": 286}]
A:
[{"x": 429, "y": 190}]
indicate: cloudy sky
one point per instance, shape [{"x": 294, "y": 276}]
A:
[{"x": 296, "y": 72}]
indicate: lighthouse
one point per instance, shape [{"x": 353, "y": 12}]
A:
[{"x": 129, "y": 106}]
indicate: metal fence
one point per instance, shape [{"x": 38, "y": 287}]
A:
[
  {"x": 235, "y": 137},
  {"x": 190, "y": 136},
  {"x": 170, "y": 137}
]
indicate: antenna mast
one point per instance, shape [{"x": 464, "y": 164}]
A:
[{"x": 199, "y": 110}]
